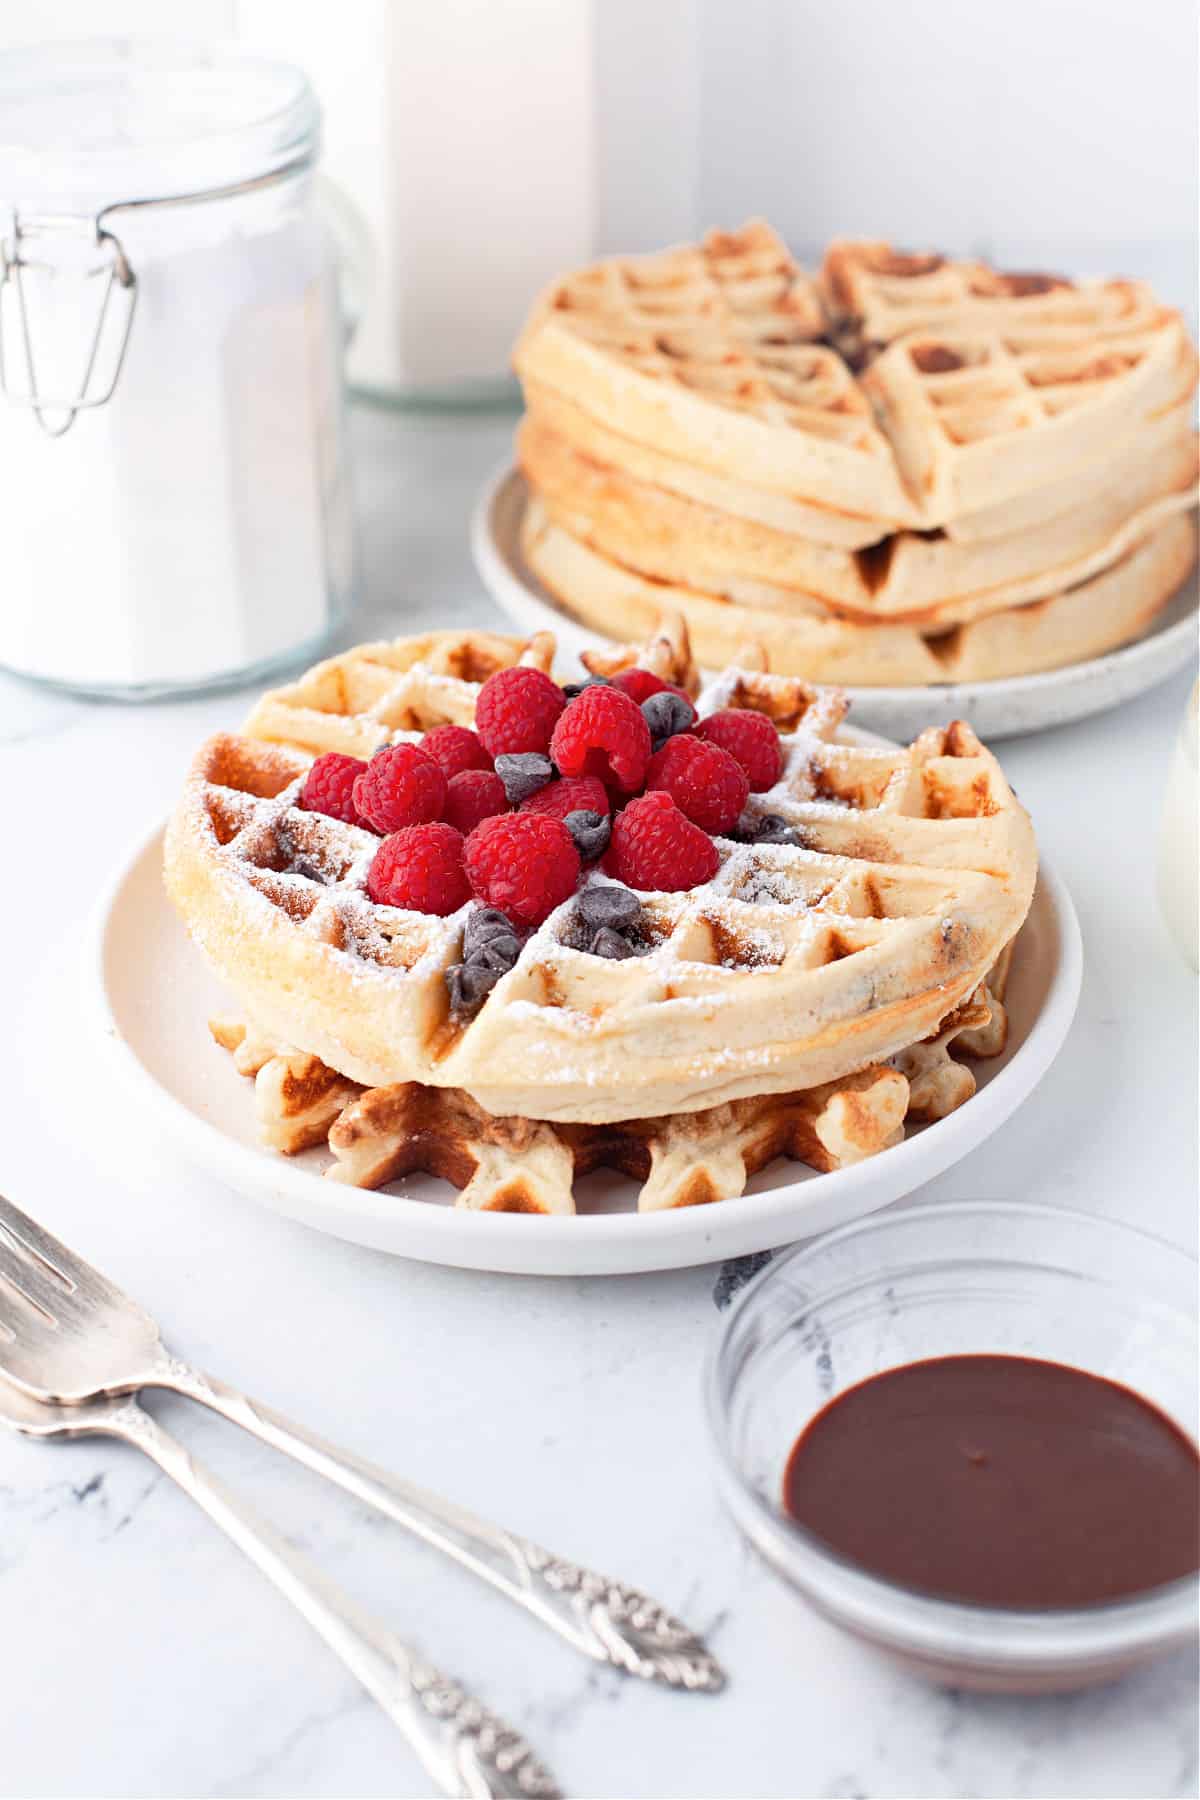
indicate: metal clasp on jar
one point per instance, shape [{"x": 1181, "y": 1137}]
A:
[{"x": 44, "y": 253}]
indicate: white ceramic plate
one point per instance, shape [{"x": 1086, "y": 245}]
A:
[
  {"x": 997, "y": 709},
  {"x": 157, "y": 994}
]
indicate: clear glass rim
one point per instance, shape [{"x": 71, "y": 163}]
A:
[
  {"x": 911, "y": 1620},
  {"x": 246, "y": 143}
]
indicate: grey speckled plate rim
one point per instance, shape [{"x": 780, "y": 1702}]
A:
[{"x": 1012, "y": 707}]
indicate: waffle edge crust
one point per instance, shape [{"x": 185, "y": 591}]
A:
[{"x": 797, "y": 965}]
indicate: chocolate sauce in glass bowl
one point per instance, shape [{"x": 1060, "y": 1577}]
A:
[{"x": 1001, "y": 1481}]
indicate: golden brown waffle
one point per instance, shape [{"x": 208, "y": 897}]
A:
[
  {"x": 803, "y": 636},
  {"x": 977, "y": 417},
  {"x": 378, "y": 1135},
  {"x": 798, "y": 964},
  {"x": 711, "y": 370},
  {"x": 878, "y": 293},
  {"x": 930, "y": 582},
  {"x": 376, "y": 693},
  {"x": 708, "y": 354}
]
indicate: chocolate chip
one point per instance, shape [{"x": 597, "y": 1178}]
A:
[
  {"x": 763, "y": 828},
  {"x": 591, "y": 831},
  {"x": 310, "y": 869},
  {"x": 936, "y": 359},
  {"x": 614, "y": 906},
  {"x": 667, "y": 715},
  {"x": 497, "y": 953},
  {"x": 523, "y": 773},
  {"x": 483, "y": 924},
  {"x": 611, "y": 944},
  {"x": 573, "y": 689},
  {"x": 469, "y": 985}
]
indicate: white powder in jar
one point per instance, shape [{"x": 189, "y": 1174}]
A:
[{"x": 196, "y": 525}]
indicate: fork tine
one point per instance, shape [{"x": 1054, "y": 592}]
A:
[
  {"x": 38, "y": 1243},
  {"x": 66, "y": 1333},
  {"x": 20, "y": 1278}
]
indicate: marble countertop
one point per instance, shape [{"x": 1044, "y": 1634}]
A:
[{"x": 139, "y": 1655}]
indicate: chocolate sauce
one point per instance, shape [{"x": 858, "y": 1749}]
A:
[{"x": 1000, "y": 1480}]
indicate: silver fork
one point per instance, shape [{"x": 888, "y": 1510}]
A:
[
  {"x": 67, "y": 1335},
  {"x": 466, "y": 1749}
]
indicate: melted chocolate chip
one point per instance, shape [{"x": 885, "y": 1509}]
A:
[
  {"x": 497, "y": 953},
  {"x": 763, "y": 828},
  {"x": 591, "y": 832},
  {"x": 616, "y": 907},
  {"x": 936, "y": 359},
  {"x": 469, "y": 985},
  {"x": 484, "y": 923},
  {"x": 523, "y": 773},
  {"x": 611, "y": 944}
]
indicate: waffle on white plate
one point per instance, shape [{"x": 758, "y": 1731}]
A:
[
  {"x": 854, "y": 912},
  {"x": 1084, "y": 620},
  {"x": 905, "y": 441}
]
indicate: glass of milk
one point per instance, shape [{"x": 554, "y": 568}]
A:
[
  {"x": 171, "y": 423},
  {"x": 1179, "y": 838}
]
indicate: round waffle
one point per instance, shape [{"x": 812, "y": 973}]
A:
[
  {"x": 984, "y": 389},
  {"x": 929, "y": 582},
  {"x": 801, "y": 636},
  {"x": 799, "y": 963}
]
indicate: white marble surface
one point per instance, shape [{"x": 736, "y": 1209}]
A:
[{"x": 140, "y": 1656}]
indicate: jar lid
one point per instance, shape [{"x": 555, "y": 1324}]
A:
[{"x": 91, "y": 124}]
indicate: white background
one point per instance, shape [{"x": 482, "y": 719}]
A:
[
  {"x": 1057, "y": 133},
  {"x": 138, "y": 1655}
]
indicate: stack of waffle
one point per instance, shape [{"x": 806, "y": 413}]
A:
[
  {"x": 820, "y": 991},
  {"x": 906, "y": 471}
]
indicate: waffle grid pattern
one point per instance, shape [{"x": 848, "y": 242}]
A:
[
  {"x": 1016, "y": 363},
  {"x": 912, "y": 868},
  {"x": 882, "y": 293}
]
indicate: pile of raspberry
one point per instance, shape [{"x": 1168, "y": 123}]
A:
[{"x": 617, "y": 773}]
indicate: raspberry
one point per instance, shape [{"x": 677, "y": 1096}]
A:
[
  {"x": 473, "y": 796},
  {"x": 516, "y": 710},
  {"x": 329, "y": 787},
  {"x": 579, "y": 793},
  {"x": 603, "y": 733},
  {"x": 420, "y": 868},
  {"x": 654, "y": 846},
  {"x": 639, "y": 684},
  {"x": 752, "y": 739},
  {"x": 525, "y": 863},
  {"x": 400, "y": 786},
  {"x": 707, "y": 784},
  {"x": 454, "y": 749}
]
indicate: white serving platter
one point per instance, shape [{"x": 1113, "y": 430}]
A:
[
  {"x": 996, "y": 709},
  {"x": 156, "y": 994}
]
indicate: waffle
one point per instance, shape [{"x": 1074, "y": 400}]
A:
[
  {"x": 929, "y": 582},
  {"x": 720, "y": 358},
  {"x": 977, "y": 417},
  {"x": 709, "y": 354},
  {"x": 379, "y": 1135},
  {"x": 875, "y": 293},
  {"x": 798, "y": 964},
  {"x": 802, "y": 636}
]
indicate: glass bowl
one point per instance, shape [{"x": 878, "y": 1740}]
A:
[{"x": 940, "y": 1280}]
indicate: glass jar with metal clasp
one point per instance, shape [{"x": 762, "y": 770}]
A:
[{"x": 172, "y": 449}]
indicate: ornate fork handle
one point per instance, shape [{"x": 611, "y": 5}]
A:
[
  {"x": 606, "y": 1620},
  {"x": 465, "y": 1748}
]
